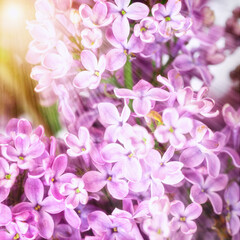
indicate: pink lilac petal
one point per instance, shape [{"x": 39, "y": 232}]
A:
[
  {"x": 216, "y": 184},
  {"x": 192, "y": 157},
  {"x": 137, "y": 11},
  {"x": 121, "y": 28},
  {"x": 5, "y": 215},
  {"x": 115, "y": 59},
  {"x": 34, "y": 190},
  {"x": 142, "y": 106},
  {"x": 177, "y": 140},
  {"x": 50, "y": 205},
  {"x": 59, "y": 165},
  {"x": 189, "y": 227},
  {"x": 118, "y": 189},
  {"x": 89, "y": 60},
  {"x": 197, "y": 195},
  {"x": 108, "y": 113},
  {"x": 216, "y": 202},
  {"x": 132, "y": 169},
  {"x": 45, "y": 225},
  {"x": 232, "y": 194},
  {"x": 81, "y": 80},
  {"x": 193, "y": 211},
  {"x": 94, "y": 181},
  {"x": 177, "y": 208},
  {"x": 158, "y": 94},
  {"x": 213, "y": 164},
  {"x": 72, "y": 218}
]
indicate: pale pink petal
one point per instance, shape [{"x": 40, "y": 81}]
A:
[
  {"x": 45, "y": 225},
  {"x": 193, "y": 211},
  {"x": 89, "y": 60},
  {"x": 118, "y": 189},
  {"x": 72, "y": 218},
  {"x": 82, "y": 79},
  {"x": 121, "y": 28},
  {"x": 108, "y": 113},
  {"x": 137, "y": 11},
  {"x": 34, "y": 190},
  {"x": 115, "y": 59},
  {"x": 142, "y": 106},
  {"x": 216, "y": 202}
]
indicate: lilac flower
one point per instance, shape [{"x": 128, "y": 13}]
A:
[
  {"x": 117, "y": 57},
  {"x": 173, "y": 129},
  {"x": 110, "y": 227},
  {"x": 23, "y": 151},
  {"x": 54, "y": 175},
  {"x": 143, "y": 95},
  {"x": 108, "y": 175},
  {"x": 123, "y": 11},
  {"x": 75, "y": 192},
  {"x": 231, "y": 117},
  {"x": 146, "y": 29},
  {"x": 169, "y": 17},
  {"x": 157, "y": 227},
  {"x": 168, "y": 172},
  {"x": 58, "y": 62},
  {"x": 34, "y": 191},
  {"x": 78, "y": 145},
  {"x": 126, "y": 160},
  {"x": 202, "y": 190},
  {"x": 8, "y": 176},
  {"x": 91, "y": 38},
  {"x": 92, "y": 77},
  {"x": 109, "y": 116},
  {"x": 136, "y": 139},
  {"x": 182, "y": 218},
  {"x": 204, "y": 145},
  {"x": 231, "y": 196},
  {"x": 95, "y": 17}
]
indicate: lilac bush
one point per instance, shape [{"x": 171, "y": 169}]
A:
[{"x": 140, "y": 158}]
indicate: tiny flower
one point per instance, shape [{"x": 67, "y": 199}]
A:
[
  {"x": 94, "y": 70},
  {"x": 123, "y": 11},
  {"x": 146, "y": 29},
  {"x": 75, "y": 193},
  {"x": 182, "y": 218},
  {"x": 91, "y": 38},
  {"x": 143, "y": 95},
  {"x": 231, "y": 196},
  {"x": 173, "y": 129},
  {"x": 78, "y": 145}
]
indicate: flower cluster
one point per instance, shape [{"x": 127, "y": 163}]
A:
[{"x": 139, "y": 159}]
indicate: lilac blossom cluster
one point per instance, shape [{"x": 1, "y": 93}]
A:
[{"x": 139, "y": 160}]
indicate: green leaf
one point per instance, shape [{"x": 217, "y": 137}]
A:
[{"x": 128, "y": 80}]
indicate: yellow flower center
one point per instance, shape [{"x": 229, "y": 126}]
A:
[
  {"x": 182, "y": 219},
  {"x": 171, "y": 129},
  {"x": 37, "y": 208},
  {"x": 167, "y": 19},
  {"x": 77, "y": 190},
  {"x": 21, "y": 158},
  {"x": 8, "y": 176},
  {"x": 16, "y": 236},
  {"x": 109, "y": 178},
  {"x": 115, "y": 229},
  {"x": 123, "y": 12},
  {"x": 97, "y": 73},
  {"x": 143, "y": 29},
  {"x": 52, "y": 179}
]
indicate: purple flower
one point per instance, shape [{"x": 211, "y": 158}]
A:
[
  {"x": 202, "y": 190},
  {"x": 91, "y": 38},
  {"x": 109, "y": 116},
  {"x": 169, "y": 17},
  {"x": 95, "y": 17},
  {"x": 23, "y": 151},
  {"x": 173, "y": 129},
  {"x": 34, "y": 191},
  {"x": 182, "y": 218},
  {"x": 117, "y": 57},
  {"x": 110, "y": 227},
  {"x": 54, "y": 175},
  {"x": 204, "y": 145},
  {"x": 78, "y": 145},
  {"x": 143, "y": 95},
  {"x": 8, "y": 176},
  {"x": 75, "y": 193},
  {"x": 126, "y": 160},
  {"x": 169, "y": 172},
  {"x": 92, "y": 77},
  {"x": 108, "y": 175},
  {"x": 231, "y": 196},
  {"x": 146, "y": 29},
  {"x": 123, "y": 11}
]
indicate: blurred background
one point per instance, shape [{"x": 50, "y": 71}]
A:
[{"x": 17, "y": 96}]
